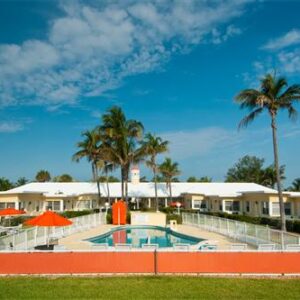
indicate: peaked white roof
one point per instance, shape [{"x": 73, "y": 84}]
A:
[{"x": 143, "y": 189}]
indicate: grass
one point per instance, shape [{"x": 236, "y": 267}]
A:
[{"x": 145, "y": 287}]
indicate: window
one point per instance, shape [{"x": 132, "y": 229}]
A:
[
  {"x": 288, "y": 208},
  {"x": 2, "y": 205},
  {"x": 200, "y": 204},
  {"x": 84, "y": 204},
  {"x": 275, "y": 209},
  {"x": 10, "y": 205},
  {"x": 220, "y": 205},
  {"x": 232, "y": 206},
  {"x": 265, "y": 207},
  {"x": 228, "y": 205},
  {"x": 247, "y": 206},
  {"x": 53, "y": 205}
]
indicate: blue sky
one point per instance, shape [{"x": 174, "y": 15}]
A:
[{"x": 174, "y": 65}]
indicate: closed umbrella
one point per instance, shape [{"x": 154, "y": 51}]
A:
[{"x": 49, "y": 219}]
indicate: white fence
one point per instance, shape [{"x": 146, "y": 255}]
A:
[
  {"x": 241, "y": 231},
  {"x": 29, "y": 238}
]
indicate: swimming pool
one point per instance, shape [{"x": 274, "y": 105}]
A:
[{"x": 139, "y": 235}]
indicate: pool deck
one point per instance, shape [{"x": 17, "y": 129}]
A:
[{"x": 77, "y": 241}]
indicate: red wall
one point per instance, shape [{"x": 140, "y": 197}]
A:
[{"x": 144, "y": 262}]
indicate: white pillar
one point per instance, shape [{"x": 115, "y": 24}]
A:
[
  {"x": 149, "y": 202},
  {"x": 61, "y": 207},
  {"x": 166, "y": 202}
]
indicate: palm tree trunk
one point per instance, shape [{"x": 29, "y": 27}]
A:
[
  {"x": 98, "y": 183},
  {"x": 122, "y": 182},
  {"x": 276, "y": 161},
  {"x": 107, "y": 186},
  {"x": 155, "y": 187},
  {"x": 170, "y": 187}
]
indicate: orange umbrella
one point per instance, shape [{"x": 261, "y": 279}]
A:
[
  {"x": 48, "y": 219},
  {"x": 11, "y": 212}
]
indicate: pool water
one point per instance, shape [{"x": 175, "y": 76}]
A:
[{"x": 139, "y": 235}]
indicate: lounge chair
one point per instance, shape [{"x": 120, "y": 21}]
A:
[
  {"x": 238, "y": 247},
  {"x": 59, "y": 248},
  {"x": 293, "y": 247},
  {"x": 266, "y": 247},
  {"x": 102, "y": 246},
  {"x": 123, "y": 247},
  {"x": 150, "y": 246},
  {"x": 181, "y": 247}
]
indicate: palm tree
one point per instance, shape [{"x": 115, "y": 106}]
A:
[
  {"x": 122, "y": 136},
  {"x": 295, "y": 185},
  {"x": 169, "y": 170},
  {"x": 152, "y": 146},
  {"x": 89, "y": 149},
  {"x": 272, "y": 96},
  {"x": 43, "y": 176}
]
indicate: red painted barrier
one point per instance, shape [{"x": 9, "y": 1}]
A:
[
  {"x": 228, "y": 262},
  {"x": 76, "y": 262},
  {"x": 144, "y": 262}
]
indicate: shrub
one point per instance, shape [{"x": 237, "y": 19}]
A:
[
  {"x": 74, "y": 214},
  {"x": 109, "y": 218},
  {"x": 178, "y": 218}
]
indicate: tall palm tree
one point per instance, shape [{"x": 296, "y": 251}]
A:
[
  {"x": 169, "y": 171},
  {"x": 153, "y": 146},
  {"x": 122, "y": 135},
  {"x": 43, "y": 176},
  {"x": 272, "y": 96},
  {"x": 295, "y": 185},
  {"x": 89, "y": 149}
]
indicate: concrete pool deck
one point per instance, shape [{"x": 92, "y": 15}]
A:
[{"x": 78, "y": 241}]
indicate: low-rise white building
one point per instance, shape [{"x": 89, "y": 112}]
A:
[{"x": 240, "y": 198}]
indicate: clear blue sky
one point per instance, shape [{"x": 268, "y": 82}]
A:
[{"x": 174, "y": 65}]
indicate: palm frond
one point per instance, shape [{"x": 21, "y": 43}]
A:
[{"x": 250, "y": 118}]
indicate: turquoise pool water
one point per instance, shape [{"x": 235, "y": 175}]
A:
[{"x": 139, "y": 235}]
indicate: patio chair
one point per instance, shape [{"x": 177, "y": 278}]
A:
[
  {"x": 102, "y": 246},
  {"x": 266, "y": 247},
  {"x": 59, "y": 248},
  {"x": 150, "y": 246},
  {"x": 123, "y": 247},
  {"x": 238, "y": 247},
  {"x": 208, "y": 247},
  {"x": 181, "y": 247},
  {"x": 293, "y": 247}
]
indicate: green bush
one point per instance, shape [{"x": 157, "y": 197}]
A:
[
  {"x": 74, "y": 214},
  {"x": 109, "y": 218},
  {"x": 178, "y": 218},
  {"x": 14, "y": 221},
  {"x": 168, "y": 210}
]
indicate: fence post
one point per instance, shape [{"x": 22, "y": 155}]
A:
[
  {"x": 35, "y": 235},
  {"x": 245, "y": 231},
  {"x": 255, "y": 227},
  {"x": 282, "y": 240},
  {"x": 269, "y": 234},
  {"x": 26, "y": 239},
  {"x": 227, "y": 227},
  {"x": 204, "y": 222},
  {"x": 219, "y": 223},
  {"x": 198, "y": 221}
]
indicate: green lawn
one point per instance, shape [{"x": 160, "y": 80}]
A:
[{"x": 147, "y": 288}]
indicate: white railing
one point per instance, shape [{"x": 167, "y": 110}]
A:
[
  {"x": 241, "y": 231},
  {"x": 27, "y": 239}
]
